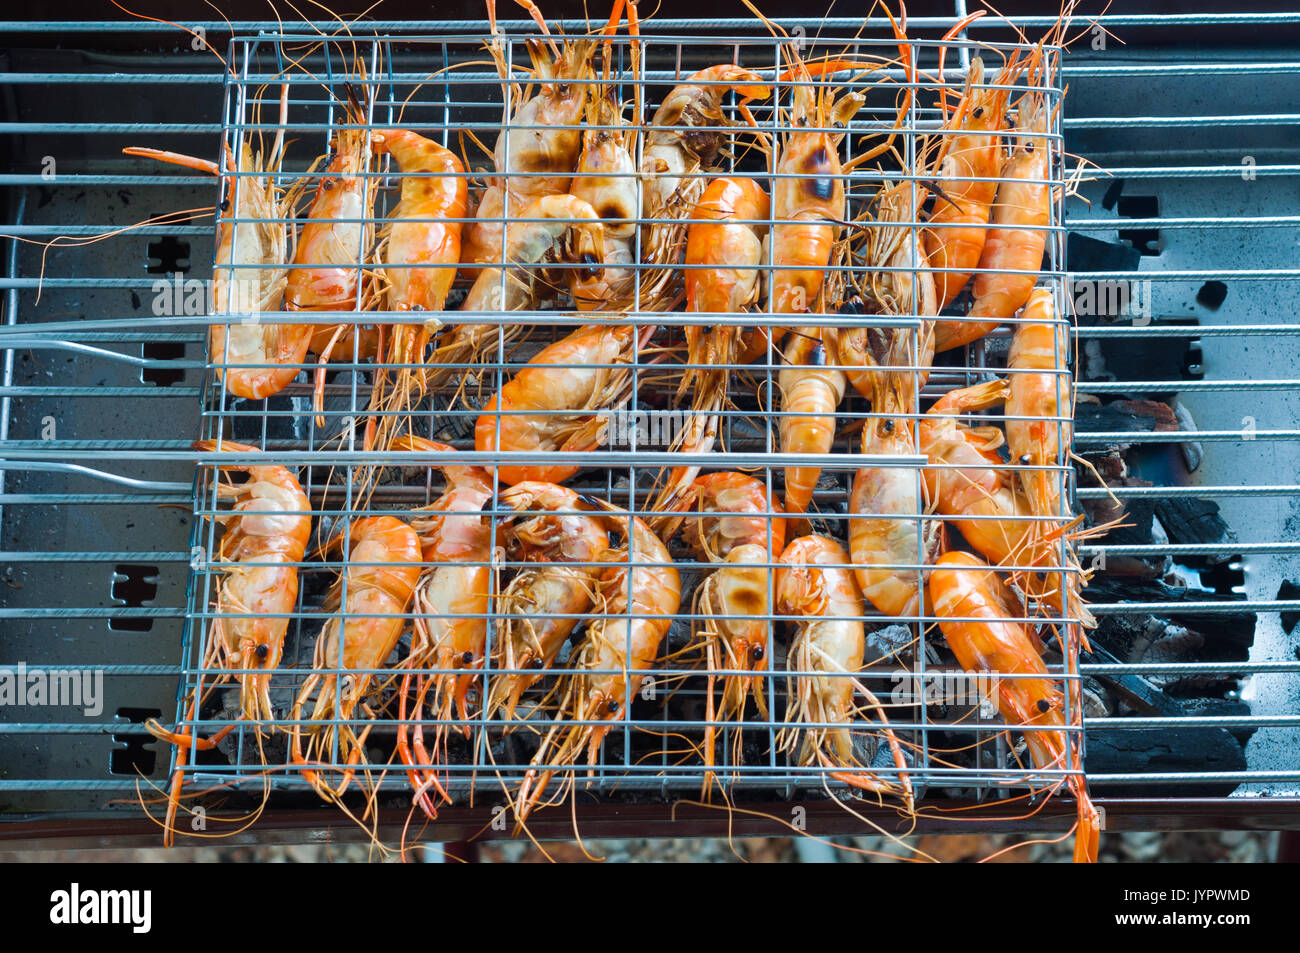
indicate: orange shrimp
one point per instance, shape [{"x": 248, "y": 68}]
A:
[
  {"x": 887, "y": 545},
  {"x": 535, "y": 157},
  {"x": 732, "y": 252},
  {"x": 329, "y": 259},
  {"x": 268, "y": 526},
  {"x": 962, "y": 588},
  {"x": 249, "y": 274},
  {"x": 379, "y": 587},
  {"x": 542, "y": 606},
  {"x": 1041, "y": 397},
  {"x": 635, "y": 608},
  {"x": 808, "y": 199},
  {"x": 682, "y": 144},
  {"x": 1020, "y": 216},
  {"x": 732, "y": 529},
  {"x": 606, "y": 177},
  {"x": 557, "y": 229},
  {"x": 968, "y": 150},
  {"x": 452, "y": 600},
  {"x": 434, "y": 194},
  {"x": 815, "y": 585},
  {"x": 810, "y": 392},
  {"x": 967, "y": 480},
  {"x": 908, "y": 286},
  {"x": 561, "y": 400},
  {"x": 808, "y": 202}
]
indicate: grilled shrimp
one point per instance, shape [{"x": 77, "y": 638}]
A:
[
  {"x": 1040, "y": 411},
  {"x": 1021, "y": 214},
  {"x": 732, "y": 529},
  {"x": 1039, "y": 404},
  {"x": 810, "y": 392},
  {"x": 635, "y": 605},
  {"x": 807, "y": 200},
  {"x": 560, "y": 400},
  {"x": 885, "y": 541},
  {"x": 607, "y": 179},
  {"x": 423, "y": 232},
  {"x": 682, "y": 145},
  {"x": 967, "y": 479},
  {"x": 249, "y": 274},
  {"x": 383, "y": 570},
  {"x": 906, "y": 287},
  {"x": 962, "y": 588},
  {"x": 543, "y": 605},
  {"x": 451, "y": 602},
  {"x": 808, "y": 197},
  {"x": 327, "y": 263},
  {"x": 269, "y": 525},
  {"x": 815, "y": 585},
  {"x": 721, "y": 239},
  {"x": 534, "y": 157},
  {"x": 968, "y": 150},
  {"x": 564, "y": 230}
]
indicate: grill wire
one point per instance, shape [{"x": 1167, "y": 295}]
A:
[{"x": 646, "y": 749}]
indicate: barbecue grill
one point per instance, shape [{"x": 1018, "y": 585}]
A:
[{"x": 1173, "y": 254}]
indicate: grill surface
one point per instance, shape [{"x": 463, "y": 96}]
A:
[{"x": 116, "y": 584}]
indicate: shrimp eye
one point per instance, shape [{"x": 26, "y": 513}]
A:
[
  {"x": 262, "y": 651},
  {"x": 756, "y": 653},
  {"x": 225, "y": 205},
  {"x": 978, "y": 112},
  {"x": 837, "y": 124},
  {"x": 612, "y": 706},
  {"x": 1044, "y": 705},
  {"x": 1024, "y": 460},
  {"x": 466, "y": 658},
  {"x": 888, "y": 426},
  {"x": 535, "y": 663},
  {"x": 564, "y": 89}
]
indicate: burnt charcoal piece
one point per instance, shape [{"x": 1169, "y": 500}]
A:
[
  {"x": 1227, "y": 636},
  {"x": 1189, "y": 520},
  {"x": 1221, "y": 708},
  {"x": 1143, "y": 416},
  {"x": 1162, "y": 750},
  {"x": 1289, "y": 590}
]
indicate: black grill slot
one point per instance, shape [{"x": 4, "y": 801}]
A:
[{"x": 134, "y": 586}]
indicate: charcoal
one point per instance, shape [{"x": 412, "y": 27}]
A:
[
  {"x": 1136, "y": 691},
  {"x": 887, "y": 644},
  {"x": 1165, "y": 751},
  {"x": 1225, "y": 632},
  {"x": 1143, "y": 416},
  {"x": 1289, "y": 590},
  {"x": 1221, "y": 708},
  {"x": 1193, "y": 521}
]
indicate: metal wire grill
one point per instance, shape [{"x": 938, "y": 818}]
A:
[{"x": 645, "y": 749}]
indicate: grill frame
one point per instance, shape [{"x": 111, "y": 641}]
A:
[{"x": 19, "y": 452}]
